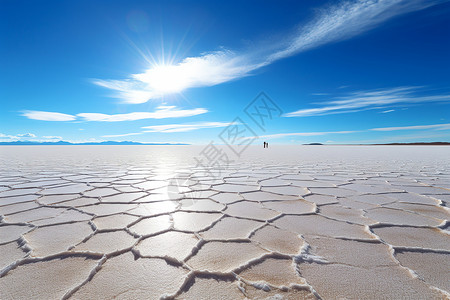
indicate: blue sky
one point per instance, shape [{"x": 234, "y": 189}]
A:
[{"x": 181, "y": 71}]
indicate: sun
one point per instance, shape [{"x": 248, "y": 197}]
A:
[{"x": 165, "y": 79}]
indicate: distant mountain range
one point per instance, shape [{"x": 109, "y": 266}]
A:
[
  {"x": 416, "y": 144},
  {"x": 389, "y": 144},
  {"x": 63, "y": 143}
]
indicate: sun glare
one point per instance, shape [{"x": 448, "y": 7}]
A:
[{"x": 165, "y": 79}]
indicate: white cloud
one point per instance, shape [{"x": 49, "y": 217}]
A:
[
  {"x": 185, "y": 127},
  {"x": 90, "y": 140},
  {"x": 17, "y": 136},
  {"x": 161, "y": 112},
  {"x": 410, "y": 138},
  {"x": 47, "y": 116},
  {"x": 27, "y": 135},
  {"x": 415, "y": 127},
  {"x": 120, "y": 135},
  {"x": 282, "y": 135},
  {"x": 169, "y": 128},
  {"x": 320, "y": 133},
  {"x": 334, "y": 23},
  {"x": 8, "y": 137},
  {"x": 387, "y": 111},
  {"x": 346, "y": 20},
  {"x": 207, "y": 70},
  {"x": 52, "y": 137},
  {"x": 363, "y": 100}
]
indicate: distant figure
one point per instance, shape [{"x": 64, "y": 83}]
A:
[{"x": 266, "y": 145}]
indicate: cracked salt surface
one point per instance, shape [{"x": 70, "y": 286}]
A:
[{"x": 280, "y": 223}]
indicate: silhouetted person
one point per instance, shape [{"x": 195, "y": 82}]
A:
[{"x": 265, "y": 144}]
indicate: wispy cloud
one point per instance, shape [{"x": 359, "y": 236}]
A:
[
  {"x": 320, "y": 133},
  {"x": 290, "y": 134},
  {"x": 52, "y": 137},
  {"x": 333, "y": 23},
  {"x": 414, "y": 137},
  {"x": 170, "y": 128},
  {"x": 27, "y": 135},
  {"x": 184, "y": 127},
  {"x": 346, "y": 20},
  {"x": 207, "y": 70},
  {"x": 24, "y": 136},
  {"x": 374, "y": 99},
  {"x": 47, "y": 116},
  {"x": 161, "y": 112},
  {"x": 320, "y": 94},
  {"x": 415, "y": 127},
  {"x": 8, "y": 137},
  {"x": 387, "y": 111},
  {"x": 121, "y": 135}
]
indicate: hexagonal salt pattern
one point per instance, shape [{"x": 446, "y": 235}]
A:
[{"x": 283, "y": 223}]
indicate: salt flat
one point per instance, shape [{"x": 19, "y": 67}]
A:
[{"x": 288, "y": 222}]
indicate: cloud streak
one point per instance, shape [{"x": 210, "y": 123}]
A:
[
  {"x": 334, "y": 23},
  {"x": 416, "y": 127},
  {"x": 207, "y": 70},
  {"x": 27, "y": 135},
  {"x": 8, "y": 137},
  {"x": 47, "y": 116},
  {"x": 363, "y": 100},
  {"x": 320, "y": 133},
  {"x": 161, "y": 112},
  {"x": 185, "y": 127},
  {"x": 170, "y": 128},
  {"x": 120, "y": 135},
  {"x": 345, "y": 20}
]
